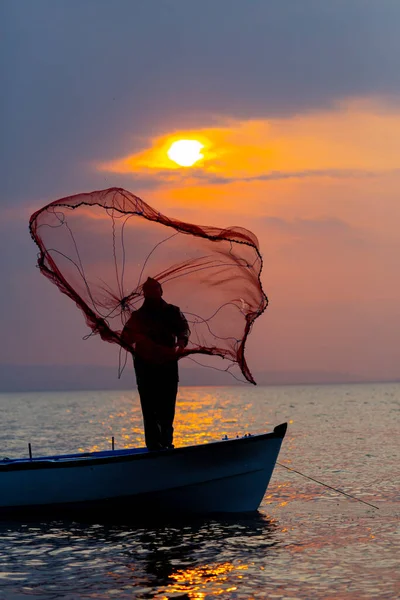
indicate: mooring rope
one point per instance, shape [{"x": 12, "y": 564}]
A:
[{"x": 327, "y": 486}]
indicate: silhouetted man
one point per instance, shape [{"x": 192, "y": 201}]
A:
[{"x": 158, "y": 331}]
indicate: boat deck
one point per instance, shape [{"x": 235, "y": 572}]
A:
[{"x": 77, "y": 456}]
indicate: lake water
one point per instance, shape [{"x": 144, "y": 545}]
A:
[{"x": 306, "y": 541}]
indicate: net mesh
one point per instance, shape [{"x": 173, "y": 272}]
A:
[{"x": 100, "y": 247}]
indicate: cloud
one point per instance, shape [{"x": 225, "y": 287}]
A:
[
  {"x": 93, "y": 81},
  {"x": 309, "y": 226},
  {"x": 313, "y": 241},
  {"x": 165, "y": 179},
  {"x": 281, "y": 175},
  {"x": 300, "y": 101},
  {"x": 354, "y": 140}
]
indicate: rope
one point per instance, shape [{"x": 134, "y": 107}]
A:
[{"x": 328, "y": 486}]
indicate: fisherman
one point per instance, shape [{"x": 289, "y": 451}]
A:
[{"x": 158, "y": 332}]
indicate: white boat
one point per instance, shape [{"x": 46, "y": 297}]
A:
[{"x": 230, "y": 476}]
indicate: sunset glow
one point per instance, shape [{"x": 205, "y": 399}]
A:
[
  {"x": 186, "y": 152},
  {"x": 310, "y": 167},
  {"x": 245, "y": 156}
]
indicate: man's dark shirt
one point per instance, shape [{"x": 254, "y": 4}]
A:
[{"x": 164, "y": 325}]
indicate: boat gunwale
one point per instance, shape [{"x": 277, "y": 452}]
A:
[{"x": 57, "y": 462}]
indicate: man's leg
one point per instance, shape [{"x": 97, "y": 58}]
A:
[
  {"x": 148, "y": 400},
  {"x": 166, "y": 410}
]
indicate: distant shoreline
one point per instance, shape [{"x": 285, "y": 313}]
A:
[{"x": 43, "y": 378}]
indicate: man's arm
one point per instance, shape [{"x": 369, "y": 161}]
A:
[
  {"x": 142, "y": 345},
  {"x": 130, "y": 333},
  {"x": 182, "y": 331}
]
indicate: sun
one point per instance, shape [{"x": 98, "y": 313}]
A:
[{"x": 185, "y": 152}]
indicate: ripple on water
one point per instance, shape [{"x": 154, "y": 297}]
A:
[{"x": 306, "y": 542}]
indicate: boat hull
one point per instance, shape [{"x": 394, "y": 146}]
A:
[{"x": 220, "y": 477}]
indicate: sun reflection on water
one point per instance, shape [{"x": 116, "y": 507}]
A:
[
  {"x": 190, "y": 581},
  {"x": 201, "y": 417}
]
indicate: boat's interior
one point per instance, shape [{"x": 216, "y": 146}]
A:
[{"x": 80, "y": 455}]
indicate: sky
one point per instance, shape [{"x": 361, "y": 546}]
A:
[{"x": 298, "y": 107}]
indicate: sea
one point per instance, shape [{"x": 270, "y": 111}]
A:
[{"x": 307, "y": 541}]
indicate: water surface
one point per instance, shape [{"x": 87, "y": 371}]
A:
[{"x": 305, "y": 542}]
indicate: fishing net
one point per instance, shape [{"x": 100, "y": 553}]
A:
[{"x": 100, "y": 247}]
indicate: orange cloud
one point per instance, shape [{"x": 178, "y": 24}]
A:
[
  {"x": 355, "y": 139},
  {"x": 321, "y": 193}
]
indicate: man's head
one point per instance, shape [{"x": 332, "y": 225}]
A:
[{"x": 152, "y": 289}]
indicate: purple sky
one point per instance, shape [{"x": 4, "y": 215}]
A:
[{"x": 86, "y": 82}]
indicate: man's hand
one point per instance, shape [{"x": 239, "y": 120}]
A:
[{"x": 180, "y": 347}]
